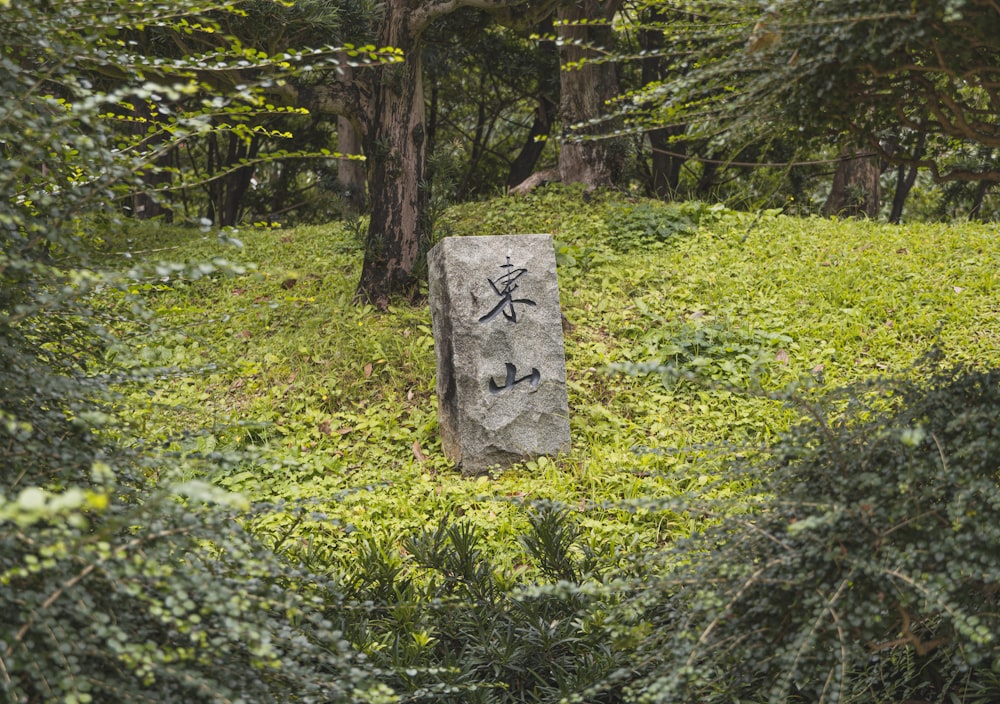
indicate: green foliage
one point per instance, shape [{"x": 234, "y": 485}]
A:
[
  {"x": 452, "y": 586},
  {"x": 648, "y": 223},
  {"x": 883, "y": 75},
  {"x": 124, "y": 576},
  {"x": 465, "y": 632},
  {"x": 869, "y": 572}
]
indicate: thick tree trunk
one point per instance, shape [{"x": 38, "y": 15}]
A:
[
  {"x": 583, "y": 93},
  {"x": 856, "y": 189},
  {"x": 395, "y": 145}
]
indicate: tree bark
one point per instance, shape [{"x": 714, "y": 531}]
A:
[
  {"x": 976, "y": 212},
  {"x": 856, "y": 189},
  {"x": 906, "y": 176},
  {"x": 149, "y": 204},
  {"x": 351, "y": 178},
  {"x": 583, "y": 94},
  {"x": 546, "y": 111},
  {"x": 524, "y": 164},
  {"x": 665, "y": 164},
  {"x": 387, "y": 102},
  {"x": 395, "y": 146}
]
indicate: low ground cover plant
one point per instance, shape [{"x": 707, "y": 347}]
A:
[
  {"x": 684, "y": 350},
  {"x": 868, "y": 572}
]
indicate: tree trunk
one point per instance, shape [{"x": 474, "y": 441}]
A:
[
  {"x": 905, "y": 178},
  {"x": 237, "y": 183},
  {"x": 149, "y": 203},
  {"x": 665, "y": 164},
  {"x": 546, "y": 111},
  {"x": 524, "y": 164},
  {"x": 665, "y": 175},
  {"x": 856, "y": 189},
  {"x": 350, "y": 172},
  {"x": 707, "y": 180},
  {"x": 583, "y": 93},
  {"x": 395, "y": 144},
  {"x": 976, "y": 212}
]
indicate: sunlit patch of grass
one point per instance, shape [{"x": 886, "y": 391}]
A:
[{"x": 333, "y": 404}]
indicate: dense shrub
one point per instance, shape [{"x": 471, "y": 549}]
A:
[
  {"x": 448, "y": 624},
  {"x": 121, "y": 578},
  {"x": 870, "y": 573}
]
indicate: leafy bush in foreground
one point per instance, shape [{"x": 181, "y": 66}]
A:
[
  {"x": 452, "y": 626},
  {"x": 120, "y": 579},
  {"x": 871, "y": 574}
]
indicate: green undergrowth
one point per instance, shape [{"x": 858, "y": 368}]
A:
[{"x": 686, "y": 326}]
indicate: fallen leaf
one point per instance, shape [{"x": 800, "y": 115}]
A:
[
  {"x": 368, "y": 370},
  {"x": 418, "y": 453},
  {"x": 781, "y": 356},
  {"x": 324, "y": 427}
]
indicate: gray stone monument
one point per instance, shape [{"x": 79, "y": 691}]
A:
[{"x": 501, "y": 365}]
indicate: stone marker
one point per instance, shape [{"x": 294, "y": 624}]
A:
[{"x": 501, "y": 365}]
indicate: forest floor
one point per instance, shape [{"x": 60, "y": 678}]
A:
[{"x": 694, "y": 334}]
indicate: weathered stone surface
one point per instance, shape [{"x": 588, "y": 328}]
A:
[{"x": 501, "y": 365}]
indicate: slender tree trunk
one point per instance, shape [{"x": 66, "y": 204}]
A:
[
  {"x": 481, "y": 137},
  {"x": 149, "y": 204},
  {"x": 351, "y": 178},
  {"x": 905, "y": 178},
  {"x": 707, "y": 180},
  {"x": 856, "y": 189},
  {"x": 583, "y": 93},
  {"x": 524, "y": 164},
  {"x": 982, "y": 188},
  {"x": 665, "y": 168},
  {"x": 395, "y": 144},
  {"x": 546, "y": 110},
  {"x": 237, "y": 183}
]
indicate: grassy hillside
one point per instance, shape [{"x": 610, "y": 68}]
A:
[{"x": 686, "y": 325}]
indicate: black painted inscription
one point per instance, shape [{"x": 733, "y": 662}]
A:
[
  {"x": 505, "y": 286},
  {"x": 511, "y": 380}
]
